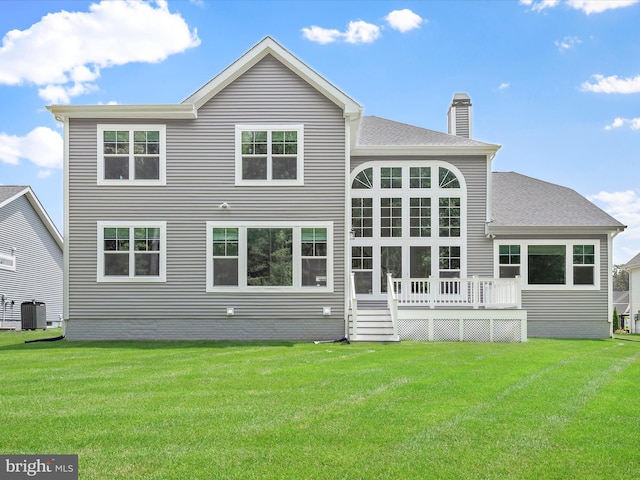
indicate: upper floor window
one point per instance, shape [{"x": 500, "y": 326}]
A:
[
  {"x": 269, "y": 154},
  {"x": 364, "y": 179},
  {"x": 131, "y": 154},
  {"x": 131, "y": 251},
  {"x": 448, "y": 179},
  {"x": 391, "y": 177}
]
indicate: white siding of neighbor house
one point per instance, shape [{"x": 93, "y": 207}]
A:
[
  {"x": 201, "y": 176},
  {"x": 474, "y": 170},
  {"x": 38, "y": 273},
  {"x": 570, "y": 313}
]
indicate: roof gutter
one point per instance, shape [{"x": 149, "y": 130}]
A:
[
  {"x": 547, "y": 230},
  {"x": 169, "y": 111},
  {"x": 440, "y": 150}
]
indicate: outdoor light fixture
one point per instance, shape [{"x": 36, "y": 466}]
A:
[
  {"x": 230, "y": 312},
  {"x": 326, "y": 311}
]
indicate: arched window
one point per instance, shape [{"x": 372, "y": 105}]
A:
[{"x": 407, "y": 218}]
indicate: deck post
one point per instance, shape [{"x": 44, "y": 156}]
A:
[
  {"x": 432, "y": 292},
  {"x": 475, "y": 291}
]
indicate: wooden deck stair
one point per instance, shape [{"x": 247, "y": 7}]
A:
[{"x": 374, "y": 325}]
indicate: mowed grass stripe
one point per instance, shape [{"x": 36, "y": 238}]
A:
[{"x": 292, "y": 410}]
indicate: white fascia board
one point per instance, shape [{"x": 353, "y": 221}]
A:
[
  {"x": 268, "y": 46},
  {"x": 550, "y": 231},
  {"x": 44, "y": 216},
  {"x": 42, "y": 213},
  {"x": 170, "y": 111},
  {"x": 13, "y": 197},
  {"x": 386, "y": 150}
]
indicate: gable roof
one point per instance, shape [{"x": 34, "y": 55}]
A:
[
  {"x": 9, "y": 193},
  {"x": 268, "y": 46},
  {"x": 621, "y": 301},
  {"x": 382, "y": 136},
  {"x": 188, "y": 109},
  {"x": 529, "y": 203},
  {"x": 633, "y": 263}
]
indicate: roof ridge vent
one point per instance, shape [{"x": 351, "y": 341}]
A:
[{"x": 459, "y": 116}]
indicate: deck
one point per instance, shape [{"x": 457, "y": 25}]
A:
[{"x": 438, "y": 309}]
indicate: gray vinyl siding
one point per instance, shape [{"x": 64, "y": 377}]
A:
[
  {"x": 200, "y": 176},
  {"x": 570, "y": 313},
  {"x": 474, "y": 170},
  {"x": 38, "y": 274}
]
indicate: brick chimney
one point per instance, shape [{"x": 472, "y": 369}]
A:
[{"x": 459, "y": 116}]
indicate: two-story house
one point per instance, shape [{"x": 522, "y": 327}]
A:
[{"x": 266, "y": 206}]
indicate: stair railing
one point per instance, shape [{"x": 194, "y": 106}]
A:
[
  {"x": 392, "y": 303},
  {"x": 354, "y": 305}
]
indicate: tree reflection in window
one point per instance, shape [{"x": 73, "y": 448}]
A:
[
  {"x": 448, "y": 179},
  {"x": 364, "y": 179}
]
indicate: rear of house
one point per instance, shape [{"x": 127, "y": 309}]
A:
[
  {"x": 30, "y": 257},
  {"x": 226, "y": 224},
  {"x": 265, "y": 206}
]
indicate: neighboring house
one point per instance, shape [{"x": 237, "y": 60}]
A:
[
  {"x": 621, "y": 305},
  {"x": 633, "y": 266},
  {"x": 265, "y": 206},
  {"x": 30, "y": 257}
]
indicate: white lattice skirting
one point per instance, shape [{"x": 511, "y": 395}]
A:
[{"x": 463, "y": 325}]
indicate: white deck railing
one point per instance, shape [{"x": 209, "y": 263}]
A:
[{"x": 473, "y": 292}]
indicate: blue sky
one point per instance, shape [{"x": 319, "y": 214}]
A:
[{"x": 555, "y": 82}]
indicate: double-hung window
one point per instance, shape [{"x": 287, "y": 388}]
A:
[
  {"x": 269, "y": 154},
  {"x": 131, "y": 251},
  {"x": 8, "y": 261},
  {"x": 550, "y": 264},
  {"x": 269, "y": 256},
  {"x": 131, "y": 154}
]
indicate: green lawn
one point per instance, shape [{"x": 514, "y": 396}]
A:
[{"x": 545, "y": 409}]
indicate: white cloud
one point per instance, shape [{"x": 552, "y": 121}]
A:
[
  {"x": 503, "y": 85},
  {"x": 586, "y": 6},
  {"x": 64, "y": 52},
  {"x": 538, "y": 5},
  {"x": 41, "y": 146},
  {"x": 625, "y": 207},
  {"x": 359, "y": 31},
  {"x": 567, "y": 42},
  {"x": 321, "y": 35},
  {"x": 599, "y": 6},
  {"x": 44, "y": 174},
  {"x": 633, "y": 123},
  {"x": 612, "y": 84},
  {"x": 404, "y": 20}
]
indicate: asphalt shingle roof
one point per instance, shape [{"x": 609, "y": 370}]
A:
[
  {"x": 518, "y": 200},
  {"x": 8, "y": 191},
  {"x": 376, "y": 131},
  {"x": 634, "y": 262}
]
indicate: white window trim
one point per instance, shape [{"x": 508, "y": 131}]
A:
[
  {"x": 242, "y": 257},
  {"x": 162, "y": 278},
  {"x": 299, "y": 128},
  {"x": 12, "y": 265},
  {"x": 435, "y": 192},
  {"x": 162, "y": 180},
  {"x": 569, "y": 244}
]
